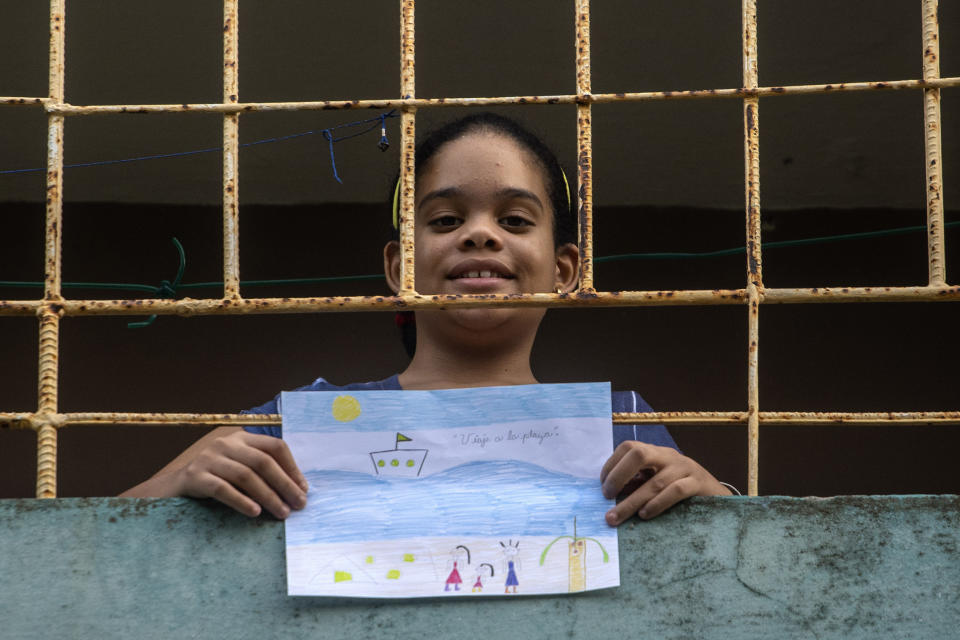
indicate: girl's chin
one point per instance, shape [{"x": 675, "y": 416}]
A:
[{"x": 489, "y": 320}]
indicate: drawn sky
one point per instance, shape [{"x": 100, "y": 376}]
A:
[{"x": 563, "y": 427}]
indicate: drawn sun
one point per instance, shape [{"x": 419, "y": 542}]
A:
[{"x": 345, "y": 408}]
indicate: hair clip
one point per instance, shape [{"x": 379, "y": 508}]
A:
[{"x": 384, "y": 144}]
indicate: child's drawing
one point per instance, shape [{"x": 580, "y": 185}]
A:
[
  {"x": 576, "y": 558},
  {"x": 453, "y": 578},
  {"x": 484, "y": 570},
  {"x": 511, "y": 556},
  {"x": 509, "y": 469},
  {"x": 399, "y": 462}
]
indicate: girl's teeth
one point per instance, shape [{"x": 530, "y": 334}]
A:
[{"x": 480, "y": 274}]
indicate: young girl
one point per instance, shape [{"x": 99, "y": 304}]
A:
[{"x": 493, "y": 215}]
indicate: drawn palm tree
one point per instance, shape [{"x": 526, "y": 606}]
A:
[{"x": 576, "y": 558}]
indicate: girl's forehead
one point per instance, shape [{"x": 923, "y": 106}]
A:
[{"x": 481, "y": 157}]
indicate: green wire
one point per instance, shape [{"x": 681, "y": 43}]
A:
[
  {"x": 267, "y": 283},
  {"x": 769, "y": 245},
  {"x": 168, "y": 289}
]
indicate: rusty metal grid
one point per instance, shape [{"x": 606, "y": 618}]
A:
[{"x": 46, "y": 420}]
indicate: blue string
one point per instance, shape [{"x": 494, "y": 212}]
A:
[
  {"x": 327, "y": 134},
  {"x": 381, "y": 119},
  {"x": 333, "y": 161}
]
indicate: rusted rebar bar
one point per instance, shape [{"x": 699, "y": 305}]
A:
[
  {"x": 19, "y": 101},
  {"x": 753, "y": 389},
  {"x": 49, "y": 316},
  {"x": 397, "y": 103},
  {"x": 337, "y": 304},
  {"x": 751, "y": 162},
  {"x": 934, "y": 158},
  {"x": 47, "y": 388},
  {"x": 584, "y": 146},
  {"x": 408, "y": 123},
  {"x": 703, "y": 418},
  {"x": 231, "y": 151}
]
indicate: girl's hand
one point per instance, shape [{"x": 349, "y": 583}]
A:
[
  {"x": 652, "y": 479},
  {"x": 245, "y": 471}
]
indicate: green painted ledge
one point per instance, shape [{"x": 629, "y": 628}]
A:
[{"x": 771, "y": 567}]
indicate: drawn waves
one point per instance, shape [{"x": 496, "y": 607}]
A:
[{"x": 477, "y": 499}]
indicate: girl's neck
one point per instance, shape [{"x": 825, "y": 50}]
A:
[{"x": 450, "y": 364}]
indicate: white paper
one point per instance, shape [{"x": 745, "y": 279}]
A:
[{"x": 459, "y": 492}]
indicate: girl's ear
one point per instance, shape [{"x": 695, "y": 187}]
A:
[
  {"x": 568, "y": 267},
  {"x": 391, "y": 265}
]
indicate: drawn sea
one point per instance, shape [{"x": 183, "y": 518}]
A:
[{"x": 489, "y": 498}]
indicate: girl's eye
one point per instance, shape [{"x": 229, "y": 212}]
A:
[
  {"x": 445, "y": 221},
  {"x": 515, "y": 221}
]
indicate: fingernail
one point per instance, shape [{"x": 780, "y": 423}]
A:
[
  {"x": 612, "y": 517},
  {"x": 642, "y": 513},
  {"x": 300, "y": 502},
  {"x": 284, "y": 511},
  {"x": 303, "y": 485}
]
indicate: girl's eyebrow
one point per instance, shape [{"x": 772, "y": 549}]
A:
[
  {"x": 440, "y": 194},
  {"x": 505, "y": 193},
  {"x": 515, "y": 192}
]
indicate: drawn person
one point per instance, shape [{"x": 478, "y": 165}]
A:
[
  {"x": 494, "y": 214},
  {"x": 478, "y": 583},
  {"x": 511, "y": 558},
  {"x": 454, "y": 577}
]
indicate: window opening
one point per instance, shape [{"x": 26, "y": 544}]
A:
[{"x": 49, "y": 309}]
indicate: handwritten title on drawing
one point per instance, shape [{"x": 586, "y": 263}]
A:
[{"x": 531, "y": 435}]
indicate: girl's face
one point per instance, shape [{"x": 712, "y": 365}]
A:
[{"x": 484, "y": 223}]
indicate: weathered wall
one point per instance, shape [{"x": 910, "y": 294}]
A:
[{"x": 854, "y": 567}]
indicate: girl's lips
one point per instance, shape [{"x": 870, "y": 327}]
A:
[
  {"x": 479, "y": 284},
  {"x": 480, "y": 269},
  {"x": 481, "y": 274}
]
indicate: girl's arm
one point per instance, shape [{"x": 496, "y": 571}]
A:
[{"x": 245, "y": 471}]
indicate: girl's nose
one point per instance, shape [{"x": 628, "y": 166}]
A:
[{"x": 481, "y": 231}]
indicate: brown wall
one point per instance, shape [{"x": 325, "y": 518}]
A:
[{"x": 814, "y": 357}]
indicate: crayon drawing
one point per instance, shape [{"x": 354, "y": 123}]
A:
[{"x": 451, "y": 493}]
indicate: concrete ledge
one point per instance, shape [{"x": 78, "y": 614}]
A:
[{"x": 850, "y": 567}]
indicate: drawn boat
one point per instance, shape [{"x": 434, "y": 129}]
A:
[{"x": 397, "y": 462}]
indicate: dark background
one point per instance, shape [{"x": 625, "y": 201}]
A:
[{"x": 823, "y": 357}]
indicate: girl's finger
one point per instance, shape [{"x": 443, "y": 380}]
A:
[
  {"x": 262, "y": 459},
  {"x": 212, "y": 486},
  {"x": 634, "y": 458},
  {"x": 671, "y": 495},
  {"x": 280, "y": 452},
  {"x": 248, "y": 481},
  {"x": 638, "y": 500}
]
